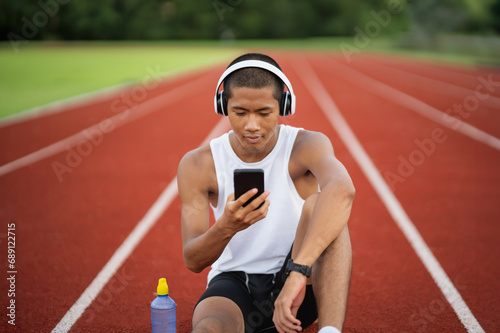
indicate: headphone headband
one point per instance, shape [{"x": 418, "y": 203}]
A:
[{"x": 257, "y": 64}]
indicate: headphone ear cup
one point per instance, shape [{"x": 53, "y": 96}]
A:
[
  {"x": 286, "y": 104},
  {"x": 221, "y": 103}
]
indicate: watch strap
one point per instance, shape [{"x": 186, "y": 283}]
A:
[{"x": 303, "y": 269}]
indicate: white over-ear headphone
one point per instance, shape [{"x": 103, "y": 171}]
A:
[{"x": 287, "y": 104}]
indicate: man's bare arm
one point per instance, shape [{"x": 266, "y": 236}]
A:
[
  {"x": 333, "y": 206},
  {"x": 203, "y": 245},
  {"x": 328, "y": 218}
]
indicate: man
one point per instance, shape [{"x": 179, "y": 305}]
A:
[{"x": 253, "y": 286}]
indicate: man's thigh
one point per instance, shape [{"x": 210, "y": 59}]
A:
[
  {"x": 253, "y": 295},
  {"x": 226, "y": 293},
  {"x": 239, "y": 289}
]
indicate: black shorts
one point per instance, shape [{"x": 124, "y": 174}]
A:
[{"x": 255, "y": 295}]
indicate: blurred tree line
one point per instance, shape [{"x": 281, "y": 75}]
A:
[{"x": 236, "y": 19}]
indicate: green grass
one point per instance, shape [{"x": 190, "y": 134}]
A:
[
  {"x": 41, "y": 73},
  {"x": 389, "y": 45},
  {"x": 38, "y": 75}
]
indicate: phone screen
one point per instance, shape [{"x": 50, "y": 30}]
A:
[{"x": 247, "y": 179}]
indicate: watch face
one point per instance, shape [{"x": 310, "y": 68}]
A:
[{"x": 289, "y": 266}]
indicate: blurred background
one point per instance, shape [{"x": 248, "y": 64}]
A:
[
  {"x": 454, "y": 30},
  {"x": 423, "y": 23}
]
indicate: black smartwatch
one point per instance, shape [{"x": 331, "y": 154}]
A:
[{"x": 303, "y": 269}]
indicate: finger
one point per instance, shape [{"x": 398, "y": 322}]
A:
[
  {"x": 257, "y": 215},
  {"x": 283, "y": 323},
  {"x": 292, "y": 323},
  {"x": 283, "y": 319},
  {"x": 289, "y": 321},
  {"x": 277, "y": 322},
  {"x": 246, "y": 196},
  {"x": 257, "y": 201}
]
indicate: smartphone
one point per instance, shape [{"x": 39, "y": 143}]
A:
[{"x": 247, "y": 179}]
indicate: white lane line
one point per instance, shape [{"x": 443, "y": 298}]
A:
[
  {"x": 451, "y": 90},
  {"x": 95, "y": 96},
  {"x": 330, "y": 109},
  {"x": 443, "y": 69},
  {"x": 62, "y": 105},
  {"x": 154, "y": 104},
  {"x": 411, "y": 103},
  {"x": 128, "y": 246}
]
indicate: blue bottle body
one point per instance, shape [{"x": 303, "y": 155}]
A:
[{"x": 163, "y": 315}]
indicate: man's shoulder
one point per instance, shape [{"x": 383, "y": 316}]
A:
[
  {"x": 307, "y": 140},
  {"x": 197, "y": 160}
]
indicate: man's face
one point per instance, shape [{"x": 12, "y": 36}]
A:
[{"x": 253, "y": 114}]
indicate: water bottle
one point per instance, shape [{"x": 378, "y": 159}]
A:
[{"x": 163, "y": 310}]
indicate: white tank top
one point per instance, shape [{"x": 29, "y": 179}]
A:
[{"x": 261, "y": 248}]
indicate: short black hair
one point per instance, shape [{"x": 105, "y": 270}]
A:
[{"x": 253, "y": 77}]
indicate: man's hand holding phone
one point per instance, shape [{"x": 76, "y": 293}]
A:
[
  {"x": 251, "y": 202},
  {"x": 243, "y": 217}
]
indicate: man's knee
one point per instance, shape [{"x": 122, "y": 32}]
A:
[
  {"x": 339, "y": 250},
  {"x": 217, "y": 314},
  {"x": 212, "y": 324},
  {"x": 208, "y": 324},
  {"x": 309, "y": 204},
  {"x": 217, "y": 323}
]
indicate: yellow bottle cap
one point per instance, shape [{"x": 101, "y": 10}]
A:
[{"x": 162, "y": 288}]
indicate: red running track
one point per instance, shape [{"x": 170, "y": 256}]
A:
[{"x": 68, "y": 224}]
